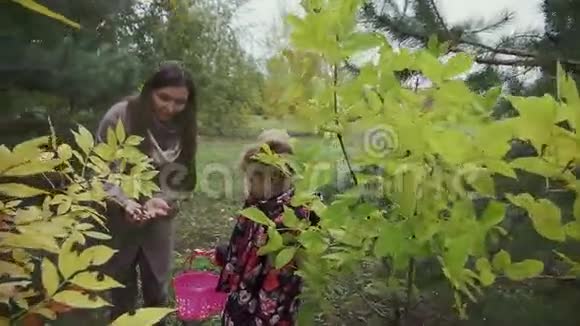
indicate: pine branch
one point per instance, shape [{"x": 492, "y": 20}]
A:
[
  {"x": 524, "y": 58},
  {"x": 435, "y": 9}
]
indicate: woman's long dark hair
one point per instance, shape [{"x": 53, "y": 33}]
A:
[{"x": 140, "y": 111}]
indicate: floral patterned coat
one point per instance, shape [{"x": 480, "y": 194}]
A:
[{"x": 259, "y": 294}]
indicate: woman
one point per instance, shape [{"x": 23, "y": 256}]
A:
[
  {"x": 164, "y": 114},
  {"x": 260, "y": 294}
]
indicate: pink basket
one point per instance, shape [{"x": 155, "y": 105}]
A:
[{"x": 196, "y": 295}]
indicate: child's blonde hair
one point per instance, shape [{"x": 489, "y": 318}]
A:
[{"x": 263, "y": 181}]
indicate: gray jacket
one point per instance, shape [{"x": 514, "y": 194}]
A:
[{"x": 155, "y": 237}]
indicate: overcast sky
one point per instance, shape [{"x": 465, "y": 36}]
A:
[{"x": 257, "y": 18}]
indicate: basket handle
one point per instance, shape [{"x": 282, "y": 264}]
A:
[{"x": 200, "y": 253}]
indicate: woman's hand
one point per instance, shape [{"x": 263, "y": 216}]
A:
[
  {"x": 156, "y": 207},
  {"x": 135, "y": 212}
]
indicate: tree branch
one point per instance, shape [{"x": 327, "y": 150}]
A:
[
  {"x": 440, "y": 18},
  {"x": 532, "y": 57}
]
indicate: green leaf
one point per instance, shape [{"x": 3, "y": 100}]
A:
[
  {"x": 290, "y": 219},
  {"x": 501, "y": 167},
  {"x": 537, "y": 116},
  {"x": 501, "y": 261},
  {"x": 35, "y": 6},
  {"x": 313, "y": 242},
  {"x": 50, "y": 278},
  {"x": 483, "y": 183},
  {"x": 486, "y": 276},
  {"x": 275, "y": 242},
  {"x": 361, "y": 41},
  {"x": 572, "y": 230},
  {"x": 545, "y": 216},
  {"x": 536, "y": 165},
  {"x": 390, "y": 242},
  {"x": 523, "y": 270},
  {"x": 458, "y": 64},
  {"x": 92, "y": 281},
  {"x": 433, "y": 45},
  {"x": 256, "y": 215},
  {"x": 18, "y": 190},
  {"x": 143, "y": 316},
  {"x": 77, "y": 299},
  {"x": 430, "y": 66},
  {"x": 284, "y": 257},
  {"x": 493, "y": 214}
]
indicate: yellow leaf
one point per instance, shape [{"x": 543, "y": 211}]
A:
[
  {"x": 68, "y": 261},
  {"x": 45, "y": 312},
  {"x": 97, "y": 235},
  {"x": 20, "y": 256},
  {"x": 143, "y": 316},
  {"x": 56, "y": 228},
  {"x": 133, "y": 140},
  {"x": 27, "y": 215},
  {"x": 22, "y": 303},
  {"x": 92, "y": 281},
  {"x": 84, "y": 226},
  {"x": 30, "y": 148},
  {"x": 64, "y": 207},
  {"x": 84, "y": 139},
  {"x": 20, "y": 190},
  {"x": 105, "y": 151},
  {"x": 50, "y": 278},
  {"x": 9, "y": 289},
  {"x": 76, "y": 299},
  {"x": 12, "y": 270},
  {"x": 32, "y": 167},
  {"x": 13, "y": 203},
  {"x": 33, "y": 5},
  {"x": 64, "y": 152},
  {"x": 31, "y": 240},
  {"x": 4, "y": 321},
  {"x": 120, "y": 131},
  {"x": 97, "y": 255}
]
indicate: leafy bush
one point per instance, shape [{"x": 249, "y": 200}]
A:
[
  {"x": 49, "y": 234},
  {"x": 439, "y": 150}
]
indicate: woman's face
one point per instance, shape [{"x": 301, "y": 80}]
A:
[{"x": 169, "y": 101}]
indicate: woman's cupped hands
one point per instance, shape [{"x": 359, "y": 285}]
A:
[{"x": 151, "y": 209}]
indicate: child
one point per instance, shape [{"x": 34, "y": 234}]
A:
[{"x": 258, "y": 293}]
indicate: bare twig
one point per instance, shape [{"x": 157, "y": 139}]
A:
[
  {"x": 339, "y": 135},
  {"x": 504, "y": 19}
]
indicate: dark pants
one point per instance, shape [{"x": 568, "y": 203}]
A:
[{"x": 125, "y": 299}]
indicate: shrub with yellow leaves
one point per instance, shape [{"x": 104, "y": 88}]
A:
[{"x": 51, "y": 202}]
